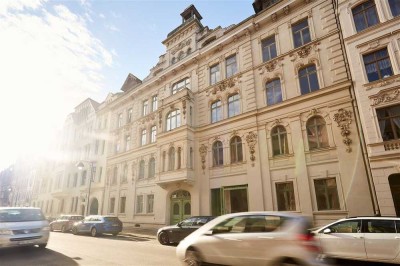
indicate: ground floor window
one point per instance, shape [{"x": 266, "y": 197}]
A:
[
  {"x": 285, "y": 196},
  {"x": 229, "y": 200},
  {"x": 326, "y": 194}
]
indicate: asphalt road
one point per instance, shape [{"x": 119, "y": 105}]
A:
[{"x": 68, "y": 249}]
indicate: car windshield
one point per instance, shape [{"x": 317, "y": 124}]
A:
[
  {"x": 21, "y": 215},
  {"x": 111, "y": 219}
]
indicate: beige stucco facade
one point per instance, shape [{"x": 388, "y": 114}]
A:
[{"x": 384, "y": 154}]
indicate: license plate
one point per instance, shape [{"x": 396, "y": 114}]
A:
[{"x": 25, "y": 242}]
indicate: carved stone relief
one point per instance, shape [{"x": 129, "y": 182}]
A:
[
  {"x": 385, "y": 97},
  {"x": 251, "y": 140},
  {"x": 343, "y": 119},
  {"x": 203, "y": 153}
]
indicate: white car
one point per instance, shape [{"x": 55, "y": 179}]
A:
[
  {"x": 251, "y": 238},
  {"x": 374, "y": 239}
]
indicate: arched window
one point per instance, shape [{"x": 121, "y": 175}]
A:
[
  {"x": 236, "y": 150},
  {"x": 317, "y": 133},
  {"x": 308, "y": 79},
  {"x": 173, "y": 119},
  {"x": 273, "y": 92},
  {"x": 218, "y": 153},
  {"x": 233, "y": 105},
  {"x": 180, "y": 85},
  {"x": 279, "y": 141},
  {"x": 216, "y": 111},
  {"x": 141, "y": 169},
  {"x": 173, "y": 60},
  {"x": 171, "y": 159},
  {"x": 152, "y": 167},
  {"x": 365, "y": 15}
]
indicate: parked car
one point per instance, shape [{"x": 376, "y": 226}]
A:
[
  {"x": 64, "y": 223},
  {"x": 23, "y": 226},
  {"x": 98, "y": 224},
  {"x": 175, "y": 233},
  {"x": 251, "y": 238},
  {"x": 374, "y": 239}
]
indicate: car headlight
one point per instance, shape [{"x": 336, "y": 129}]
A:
[
  {"x": 5, "y": 232},
  {"x": 46, "y": 228}
]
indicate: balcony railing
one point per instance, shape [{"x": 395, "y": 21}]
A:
[{"x": 392, "y": 145}]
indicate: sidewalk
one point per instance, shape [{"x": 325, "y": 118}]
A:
[{"x": 140, "y": 231}]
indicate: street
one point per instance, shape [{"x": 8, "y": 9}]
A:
[{"x": 68, "y": 249}]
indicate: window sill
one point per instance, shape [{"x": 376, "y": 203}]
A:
[
  {"x": 382, "y": 82},
  {"x": 144, "y": 214}
]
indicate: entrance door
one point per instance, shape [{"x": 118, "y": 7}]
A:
[
  {"x": 181, "y": 207},
  {"x": 394, "y": 183},
  {"x": 94, "y": 207},
  {"x": 229, "y": 200}
]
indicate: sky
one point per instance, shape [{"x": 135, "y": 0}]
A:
[{"x": 56, "y": 54}]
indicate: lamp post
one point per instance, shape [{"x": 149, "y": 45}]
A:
[{"x": 81, "y": 166}]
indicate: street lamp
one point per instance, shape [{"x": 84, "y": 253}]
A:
[{"x": 81, "y": 166}]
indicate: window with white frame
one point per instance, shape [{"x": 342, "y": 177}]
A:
[
  {"x": 129, "y": 116},
  {"x": 153, "y": 134},
  {"x": 127, "y": 143},
  {"x": 394, "y": 7},
  {"x": 139, "y": 204},
  {"x": 218, "y": 153},
  {"x": 145, "y": 109},
  {"x": 216, "y": 111},
  {"x": 308, "y": 79},
  {"x": 233, "y": 105},
  {"x": 180, "y": 85},
  {"x": 365, "y": 15},
  {"x": 301, "y": 33},
  {"x": 279, "y": 141},
  {"x": 154, "y": 103},
  {"x": 150, "y": 203},
  {"x": 326, "y": 194},
  {"x": 173, "y": 119},
  {"x": 143, "y": 139},
  {"x": 231, "y": 66},
  {"x": 122, "y": 203},
  {"x": 171, "y": 159},
  {"x": 317, "y": 133},
  {"x": 112, "y": 205},
  {"x": 117, "y": 146},
  {"x": 124, "y": 177},
  {"x": 285, "y": 196},
  {"x": 141, "y": 169},
  {"x": 273, "y": 91},
  {"x": 389, "y": 122},
  {"x": 268, "y": 47},
  {"x": 152, "y": 167},
  {"x": 378, "y": 65},
  {"x": 214, "y": 74},
  {"x": 119, "y": 120},
  {"x": 236, "y": 149}
]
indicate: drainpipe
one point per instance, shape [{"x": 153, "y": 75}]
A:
[{"x": 354, "y": 105}]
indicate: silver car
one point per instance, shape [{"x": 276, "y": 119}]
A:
[
  {"x": 23, "y": 226},
  {"x": 251, "y": 238}
]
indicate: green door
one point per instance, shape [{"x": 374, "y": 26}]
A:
[{"x": 181, "y": 207}]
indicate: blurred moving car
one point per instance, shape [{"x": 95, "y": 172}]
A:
[
  {"x": 251, "y": 238},
  {"x": 97, "y": 225},
  {"x": 23, "y": 226},
  {"x": 375, "y": 239},
  {"x": 175, "y": 233},
  {"x": 64, "y": 223}
]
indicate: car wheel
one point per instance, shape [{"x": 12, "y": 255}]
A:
[
  {"x": 63, "y": 229},
  {"x": 93, "y": 232},
  {"x": 163, "y": 238},
  {"x": 192, "y": 258},
  {"x": 42, "y": 246},
  {"x": 51, "y": 228},
  {"x": 74, "y": 230}
]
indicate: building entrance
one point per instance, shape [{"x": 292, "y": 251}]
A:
[{"x": 181, "y": 207}]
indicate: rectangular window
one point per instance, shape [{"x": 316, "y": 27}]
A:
[
  {"x": 100, "y": 173},
  {"x": 326, "y": 194},
  {"x": 83, "y": 180},
  {"x": 233, "y": 105},
  {"x": 180, "y": 85},
  {"x": 139, "y": 204},
  {"x": 96, "y": 146},
  {"x": 122, "y": 205},
  {"x": 130, "y": 113},
  {"x": 268, "y": 47},
  {"x": 115, "y": 176},
  {"x": 145, "y": 107},
  {"x": 285, "y": 196},
  {"x": 365, "y": 15},
  {"x": 144, "y": 137},
  {"x": 103, "y": 146},
  {"x": 301, "y": 33},
  {"x": 395, "y": 7},
  {"x": 117, "y": 146},
  {"x": 214, "y": 74},
  {"x": 216, "y": 111},
  {"x": 112, "y": 205},
  {"x": 119, "y": 120},
  {"x": 150, "y": 203},
  {"x": 308, "y": 78},
  {"x": 154, "y": 103},
  {"x": 153, "y": 134},
  {"x": 127, "y": 143},
  {"x": 231, "y": 66},
  {"x": 378, "y": 65},
  {"x": 389, "y": 122}
]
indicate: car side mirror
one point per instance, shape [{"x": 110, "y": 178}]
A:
[
  {"x": 327, "y": 231},
  {"x": 179, "y": 224}
]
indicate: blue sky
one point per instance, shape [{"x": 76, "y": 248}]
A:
[{"x": 55, "y": 54}]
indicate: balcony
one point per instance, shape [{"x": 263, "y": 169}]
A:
[
  {"x": 176, "y": 176},
  {"x": 392, "y": 145}
]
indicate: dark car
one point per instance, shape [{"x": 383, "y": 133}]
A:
[
  {"x": 97, "y": 225},
  {"x": 175, "y": 233},
  {"x": 64, "y": 223}
]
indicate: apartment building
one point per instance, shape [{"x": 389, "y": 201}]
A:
[{"x": 371, "y": 31}]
